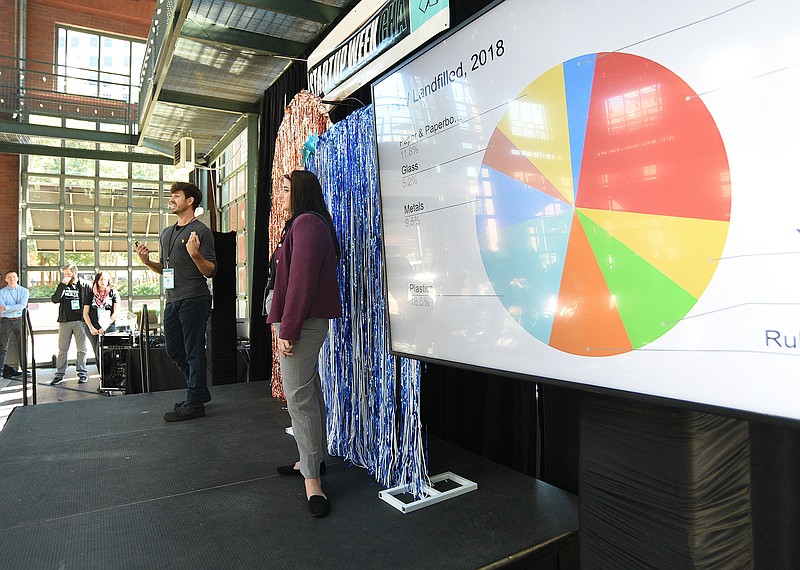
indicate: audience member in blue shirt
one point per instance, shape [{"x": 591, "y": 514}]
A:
[{"x": 13, "y": 298}]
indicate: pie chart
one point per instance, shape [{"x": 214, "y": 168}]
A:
[{"x": 603, "y": 205}]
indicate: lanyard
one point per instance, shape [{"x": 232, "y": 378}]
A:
[
  {"x": 16, "y": 298},
  {"x": 173, "y": 237}
]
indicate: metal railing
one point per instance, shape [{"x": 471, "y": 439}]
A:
[
  {"x": 27, "y": 329},
  {"x": 162, "y": 18},
  {"x": 29, "y": 87},
  {"x": 144, "y": 349}
]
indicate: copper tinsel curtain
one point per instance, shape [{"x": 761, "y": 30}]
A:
[{"x": 304, "y": 117}]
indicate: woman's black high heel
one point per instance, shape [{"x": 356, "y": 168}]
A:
[
  {"x": 290, "y": 470},
  {"x": 318, "y": 505}
]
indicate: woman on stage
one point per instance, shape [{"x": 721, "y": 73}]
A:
[{"x": 304, "y": 296}]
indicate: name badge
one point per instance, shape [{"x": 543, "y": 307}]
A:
[
  {"x": 168, "y": 273},
  {"x": 75, "y": 304},
  {"x": 104, "y": 318}
]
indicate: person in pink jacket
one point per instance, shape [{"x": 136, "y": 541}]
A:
[{"x": 304, "y": 296}]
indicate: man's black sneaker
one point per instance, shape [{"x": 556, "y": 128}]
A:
[
  {"x": 11, "y": 372},
  {"x": 57, "y": 380},
  {"x": 185, "y": 413},
  {"x": 83, "y": 380},
  {"x": 206, "y": 400}
]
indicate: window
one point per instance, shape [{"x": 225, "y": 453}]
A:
[
  {"x": 90, "y": 212},
  {"x": 98, "y": 66},
  {"x": 232, "y": 175}
]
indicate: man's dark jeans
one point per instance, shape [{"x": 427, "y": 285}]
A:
[
  {"x": 10, "y": 331},
  {"x": 185, "y": 334}
]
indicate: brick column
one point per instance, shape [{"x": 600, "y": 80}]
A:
[{"x": 9, "y": 212}]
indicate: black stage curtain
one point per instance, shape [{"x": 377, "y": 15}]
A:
[
  {"x": 222, "y": 338},
  {"x": 491, "y": 416},
  {"x": 663, "y": 487},
  {"x": 293, "y": 80},
  {"x": 465, "y": 9},
  {"x": 775, "y": 495},
  {"x": 559, "y": 422},
  {"x": 521, "y": 424}
]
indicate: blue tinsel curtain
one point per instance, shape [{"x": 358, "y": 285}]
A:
[{"x": 372, "y": 397}]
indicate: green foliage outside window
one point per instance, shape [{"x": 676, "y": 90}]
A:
[
  {"x": 79, "y": 259},
  {"x": 41, "y": 291},
  {"x": 145, "y": 289},
  {"x": 44, "y": 164}
]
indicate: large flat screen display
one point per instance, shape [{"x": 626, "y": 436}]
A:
[{"x": 604, "y": 194}]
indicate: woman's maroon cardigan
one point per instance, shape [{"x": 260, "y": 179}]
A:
[{"x": 305, "y": 276}]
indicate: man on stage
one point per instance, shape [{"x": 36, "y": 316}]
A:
[{"x": 187, "y": 260}]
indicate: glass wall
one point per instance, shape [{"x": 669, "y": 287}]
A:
[
  {"x": 90, "y": 212},
  {"x": 232, "y": 176}
]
